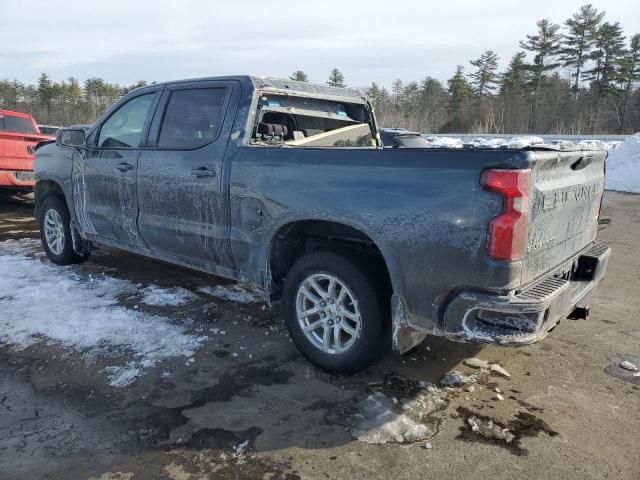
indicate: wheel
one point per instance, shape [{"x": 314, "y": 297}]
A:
[
  {"x": 336, "y": 314},
  {"x": 55, "y": 232}
]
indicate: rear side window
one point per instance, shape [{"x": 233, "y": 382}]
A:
[
  {"x": 10, "y": 123},
  {"x": 124, "y": 128},
  {"x": 192, "y": 118}
]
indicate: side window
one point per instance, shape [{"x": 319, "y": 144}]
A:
[
  {"x": 124, "y": 127},
  {"x": 192, "y": 118}
]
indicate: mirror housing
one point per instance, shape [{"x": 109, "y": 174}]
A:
[{"x": 71, "y": 137}]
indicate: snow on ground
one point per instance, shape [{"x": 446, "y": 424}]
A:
[
  {"x": 44, "y": 303},
  {"x": 234, "y": 293},
  {"x": 379, "y": 419},
  {"x": 623, "y": 166},
  {"x": 158, "y": 296}
]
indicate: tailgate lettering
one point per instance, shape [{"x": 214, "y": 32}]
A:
[{"x": 561, "y": 197}]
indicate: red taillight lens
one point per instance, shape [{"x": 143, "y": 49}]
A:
[{"x": 507, "y": 235}]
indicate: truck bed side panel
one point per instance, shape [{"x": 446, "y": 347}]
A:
[{"x": 425, "y": 210}]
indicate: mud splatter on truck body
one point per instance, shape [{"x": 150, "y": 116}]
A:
[{"x": 281, "y": 176}]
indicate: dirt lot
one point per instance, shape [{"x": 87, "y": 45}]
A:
[{"x": 248, "y": 406}]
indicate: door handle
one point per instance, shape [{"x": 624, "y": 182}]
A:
[
  {"x": 202, "y": 172},
  {"x": 124, "y": 167}
]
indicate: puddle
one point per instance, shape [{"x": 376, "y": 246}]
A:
[
  {"x": 509, "y": 435},
  {"x": 615, "y": 370},
  {"x": 157, "y": 428}
]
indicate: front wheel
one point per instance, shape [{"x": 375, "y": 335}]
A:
[
  {"x": 336, "y": 315},
  {"x": 55, "y": 233}
]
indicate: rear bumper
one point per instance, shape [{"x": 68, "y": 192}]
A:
[
  {"x": 527, "y": 316},
  {"x": 22, "y": 180}
]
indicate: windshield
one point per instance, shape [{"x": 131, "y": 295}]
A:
[
  {"x": 10, "y": 123},
  {"x": 310, "y": 122}
]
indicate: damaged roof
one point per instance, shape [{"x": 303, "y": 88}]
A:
[{"x": 284, "y": 86}]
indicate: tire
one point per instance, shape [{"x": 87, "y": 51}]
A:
[
  {"x": 55, "y": 216},
  {"x": 351, "y": 352}
]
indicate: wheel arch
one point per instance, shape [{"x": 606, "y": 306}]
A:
[
  {"x": 45, "y": 189},
  {"x": 297, "y": 237}
]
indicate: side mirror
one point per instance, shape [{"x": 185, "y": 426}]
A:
[{"x": 71, "y": 137}]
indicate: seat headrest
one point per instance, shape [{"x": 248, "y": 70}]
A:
[{"x": 272, "y": 130}]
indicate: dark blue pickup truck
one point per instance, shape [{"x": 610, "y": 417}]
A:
[{"x": 286, "y": 185}]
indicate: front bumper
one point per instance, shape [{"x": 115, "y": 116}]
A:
[
  {"x": 525, "y": 317},
  {"x": 23, "y": 180}
]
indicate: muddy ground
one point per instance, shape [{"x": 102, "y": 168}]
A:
[{"x": 569, "y": 410}]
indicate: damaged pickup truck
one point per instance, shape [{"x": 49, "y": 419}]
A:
[{"x": 286, "y": 185}]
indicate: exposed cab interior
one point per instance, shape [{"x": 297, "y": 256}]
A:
[{"x": 294, "y": 121}]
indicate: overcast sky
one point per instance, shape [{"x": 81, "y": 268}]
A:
[{"x": 125, "y": 41}]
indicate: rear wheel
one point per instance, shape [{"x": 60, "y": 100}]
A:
[
  {"x": 55, "y": 233},
  {"x": 335, "y": 313}
]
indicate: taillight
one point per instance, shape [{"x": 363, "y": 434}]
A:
[{"x": 507, "y": 235}]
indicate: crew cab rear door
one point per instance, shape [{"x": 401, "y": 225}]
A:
[
  {"x": 104, "y": 181},
  {"x": 180, "y": 176},
  {"x": 567, "y": 192}
]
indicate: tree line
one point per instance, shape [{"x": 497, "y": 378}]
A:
[
  {"x": 581, "y": 77},
  {"x": 576, "y": 78},
  {"x": 62, "y": 103}
]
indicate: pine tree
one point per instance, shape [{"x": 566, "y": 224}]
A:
[
  {"x": 46, "y": 92},
  {"x": 397, "y": 89},
  {"x": 433, "y": 102},
  {"x": 336, "y": 78},
  {"x": 514, "y": 93},
  {"x": 459, "y": 93},
  {"x": 299, "y": 76},
  {"x": 628, "y": 77},
  {"x": 578, "y": 42},
  {"x": 545, "y": 45},
  {"x": 608, "y": 52},
  {"x": 374, "y": 94},
  {"x": 516, "y": 77},
  {"x": 485, "y": 78},
  {"x": 606, "y": 58}
]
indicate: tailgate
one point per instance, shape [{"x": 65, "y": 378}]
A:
[
  {"x": 567, "y": 191},
  {"x": 16, "y": 149}
]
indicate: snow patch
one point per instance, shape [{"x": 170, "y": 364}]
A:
[
  {"x": 174, "y": 297},
  {"x": 234, "y": 293},
  {"x": 381, "y": 419},
  {"x": 522, "y": 142},
  {"x": 43, "y": 303},
  {"x": 623, "y": 166}
]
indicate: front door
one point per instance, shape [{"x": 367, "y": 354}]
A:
[
  {"x": 180, "y": 177},
  {"x": 104, "y": 177}
]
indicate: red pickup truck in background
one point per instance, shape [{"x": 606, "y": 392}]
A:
[{"x": 19, "y": 134}]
